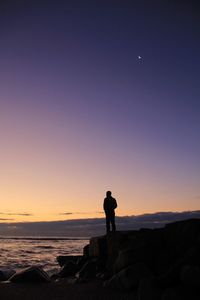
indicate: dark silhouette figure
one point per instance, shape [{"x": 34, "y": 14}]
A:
[{"x": 109, "y": 206}]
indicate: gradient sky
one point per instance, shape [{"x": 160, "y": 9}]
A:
[{"x": 80, "y": 113}]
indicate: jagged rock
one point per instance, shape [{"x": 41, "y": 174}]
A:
[
  {"x": 148, "y": 290},
  {"x": 62, "y": 260},
  {"x": 88, "y": 271},
  {"x": 190, "y": 275},
  {"x": 67, "y": 281},
  {"x": 181, "y": 292},
  {"x": 165, "y": 258},
  {"x": 171, "y": 294},
  {"x": 128, "y": 257},
  {"x": 31, "y": 274},
  {"x": 129, "y": 277},
  {"x": 117, "y": 241},
  {"x": 81, "y": 261},
  {"x": 86, "y": 252},
  {"x": 69, "y": 269},
  {"x": 54, "y": 276},
  {"x": 6, "y": 274},
  {"x": 182, "y": 234},
  {"x": 190, "y": 256},
  {"x": 170, "y": 278},
  {"x": 98, "y": 246}
]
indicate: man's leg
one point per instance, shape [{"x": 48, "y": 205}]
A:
[
  {"x": 112, "y": 220},
  {"x": 107, "y": 223}
]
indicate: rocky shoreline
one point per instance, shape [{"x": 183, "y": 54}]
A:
[{"x": 148, "y": 264}]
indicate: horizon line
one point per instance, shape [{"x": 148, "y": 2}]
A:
[{"x": 100, "y": 218}]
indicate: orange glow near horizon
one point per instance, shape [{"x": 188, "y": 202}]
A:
[{"x": 48, "y": 180}]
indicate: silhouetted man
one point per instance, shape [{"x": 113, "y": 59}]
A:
[{"x": 109, "y": 206}]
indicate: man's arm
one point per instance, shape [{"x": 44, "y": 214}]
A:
[
  {"x": 104, "y": 204},
  {"x": 114, "y": 203}
]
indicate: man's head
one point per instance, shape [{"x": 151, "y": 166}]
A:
[{"x": 108, "y": 193}]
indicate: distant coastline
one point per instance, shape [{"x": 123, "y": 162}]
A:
[
  {"x": 43, "y": 238},
  {"x": 85, "y": 228}
]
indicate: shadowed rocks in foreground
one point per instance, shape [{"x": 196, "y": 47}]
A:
[
  {"x": 159, "y": 263},
  {"x": 155, "y": 264},
  {"x": 30, "y": 275}
]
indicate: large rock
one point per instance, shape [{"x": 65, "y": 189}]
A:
[
  {"x": 190, "y": 275},
  {"x": 165, "y": 258},
  {"x": 31, "y": 274},
  {"x": 128, "y": 257},
  {"x": 98, "y": 246},
  {"x": 86, "y": 251},
  {"x": 81, "y": 261},
  {"x": 182, "y": 234},
  {"x": 6, "y": 274},
  {"x": 118, "y": 241},
  {"x": 181, "y": 292},
  {"x": 88, "y": 271},
  {"x": 69, "y": 269},
  {"x": 172, "y": 294},
  {"x": 62, "y": 260},
  {"x": 129, "y": 277},
  {"x": 148, "y": 290},
  {"x": 171, "y": 276}
]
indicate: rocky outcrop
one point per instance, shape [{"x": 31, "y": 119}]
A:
[
  {"x": 69, "y": 269},
  {"x": 30, "y": 275},
  {"x": 129, "y": 277},
  {"x": 63, "y": 260},
  {"x": 6, "y": 274},
  {"x": 160, "y": 264}
]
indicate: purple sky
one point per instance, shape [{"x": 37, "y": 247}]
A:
[{"x": 80, "y": 113}]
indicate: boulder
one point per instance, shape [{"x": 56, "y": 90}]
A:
[
  {"x": 86, "y": 251},
  {"x": 69, "y": 269},
  {"x": 171, "y": 276},
  {"x": 88, "y": 271},
  {"x": 117, "y": 241},
  {"x": 81, "y": 261},
  {"x": 165, "y": 258},
  {"x": 180, "y": 292},
  {"x": 62, "y": 260},
  {"x": 182, "y": 234},
  {"x": 6, "y": 274},
  {"x": 129, "y": 277},
  {"x": 171, "y": 294},
  {"x": 98, "y": 246},
  {"x": 128, "y": 257},
  {"x": 190, "y": 275},
  {"x": 148, "y": 290},
  {"x": 31, "y": 274}
]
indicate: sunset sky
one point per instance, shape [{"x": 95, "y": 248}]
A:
[{"x": 95, "y": 96}]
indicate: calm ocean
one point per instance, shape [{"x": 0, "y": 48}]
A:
[{"x": 18, "y": 253}]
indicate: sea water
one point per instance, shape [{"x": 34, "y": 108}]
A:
[{"x": 19, "y": 253}]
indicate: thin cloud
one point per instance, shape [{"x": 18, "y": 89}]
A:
[
  {"x": 4, "y": 219},
  {"x": 16, "y": 214},
  {"x": 80, "y": 213}
]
